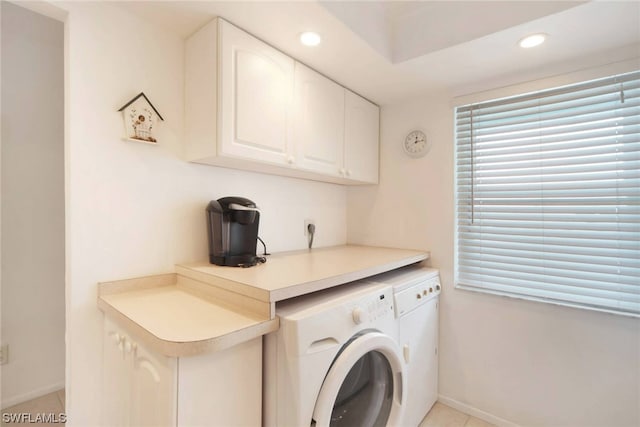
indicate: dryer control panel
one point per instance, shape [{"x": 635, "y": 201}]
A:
[
  {"x": 416, "y": 295},
  {"x": 373, "y": 307}
]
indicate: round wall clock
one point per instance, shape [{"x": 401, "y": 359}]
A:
[{"x": 415, "y": 144}]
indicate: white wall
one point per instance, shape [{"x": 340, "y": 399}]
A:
[
  {"x": 505, "y": 360},
  {"x": 32, "y": 204},
  {"x": 134, "y": 209}
]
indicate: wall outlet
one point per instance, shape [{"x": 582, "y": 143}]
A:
[
  {"x": 306, "y": 225},
  {"x": 4, "y": 354}
]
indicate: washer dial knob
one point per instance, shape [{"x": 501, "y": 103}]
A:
[{"x": 358, "y": 315}]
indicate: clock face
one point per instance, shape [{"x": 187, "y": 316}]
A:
[{"x": 415, "y": 144}]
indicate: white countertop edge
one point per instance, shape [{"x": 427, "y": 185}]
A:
[
  {"x": 261, "y": 324},
  {"x": 322, "y": 284},
  {"x": 189, "y": 348},
  {"x": 242, "y": 286}
]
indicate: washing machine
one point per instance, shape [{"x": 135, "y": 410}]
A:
[
  {"x": 416, "y": 293},
  {"x": 335, "y": 360}
]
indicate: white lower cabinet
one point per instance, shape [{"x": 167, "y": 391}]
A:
[
  {"x": 116, "y": 378},
  {"x": 144, "y": 388},
  {"x": 153, "y": 389},
  {"x": 222, "y": 388}
]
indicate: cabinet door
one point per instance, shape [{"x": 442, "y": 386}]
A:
[
  {"x": 256, "y": 85},
  {"x": 115, "y": 378},
  {"x": 223, "y": 388},
  {"x": 153, "y": 389},
  {"x": 361, "y": 139},
  {"x": 319, "y": 122}
]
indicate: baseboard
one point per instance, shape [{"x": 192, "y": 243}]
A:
[
  {"x": 470, "y": 410},
  {"x": 15, "y": 400}
]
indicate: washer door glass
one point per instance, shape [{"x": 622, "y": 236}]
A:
[
  {"x": 365, "y": 397},
  {"x": 364, "y": 386}
]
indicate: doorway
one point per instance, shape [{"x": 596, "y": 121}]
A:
[{"x": 32, "y": 207}]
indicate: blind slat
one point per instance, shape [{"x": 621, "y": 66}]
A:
[
  {"x": 540, "y": 241},
  {"x": 618, "y": 141},
  {"x": 547, "y": 274},
  {"x": 527, "y": 255},
  {"x": 585, "y": 118},
  {"x": 620, "y": 254}
]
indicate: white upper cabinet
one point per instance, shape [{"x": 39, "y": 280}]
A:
[
  {"x": 361, "y": 135},
  {"x": 318, "y": 122},
  {"x": 256, "y": 84},
  {"x": 249, "y": 106}
]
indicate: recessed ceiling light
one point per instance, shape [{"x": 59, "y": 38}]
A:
[
  {"x": 532, "y": 40},
  {"x": 309, "y": 38}
]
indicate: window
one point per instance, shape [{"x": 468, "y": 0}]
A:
[{"x": 548, "y": 195}]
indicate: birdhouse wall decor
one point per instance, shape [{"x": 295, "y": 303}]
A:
[{"x": 140, "y": 119}]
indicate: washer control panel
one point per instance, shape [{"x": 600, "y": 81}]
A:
[
  {"x": 416, "y": 295},
  {"x": 373, "y": 307}
]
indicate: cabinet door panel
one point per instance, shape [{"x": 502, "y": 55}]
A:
[
  {"x": 153, "y": 390},
  {"x": 361, "y": 138},
  {"x": 115, "y": 378},
  {"x": 223, "y": 388},
  {"x": 319, "y": 122},
  {"x": 256, "y": 90}
]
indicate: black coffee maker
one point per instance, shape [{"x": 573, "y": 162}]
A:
[{"x": 232, "y": 224}]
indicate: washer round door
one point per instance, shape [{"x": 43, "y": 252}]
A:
[{"x": 364, "y": 386}]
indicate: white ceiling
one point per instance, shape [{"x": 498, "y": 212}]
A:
[
  {"x": 394, "y": 50},
  {"x": 402, "y": 30}
]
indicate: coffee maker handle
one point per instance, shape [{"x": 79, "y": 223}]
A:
[{"x": 237, "y": 207}]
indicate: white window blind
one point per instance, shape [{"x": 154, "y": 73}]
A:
[{"x": 548, "y": 195}]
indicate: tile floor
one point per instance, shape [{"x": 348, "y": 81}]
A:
[
  {"x": 444, "y": 416},
  {"x": 52, "y": 403},
  {"x": 439, "y": 416}
]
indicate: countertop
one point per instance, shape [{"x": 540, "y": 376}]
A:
[
  {"x": 176, "y": 318},
  {"x": 205, "y": 308},
  {"x": 291, "y": 274}
]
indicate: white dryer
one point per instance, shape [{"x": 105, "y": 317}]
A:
[
  {"x": 416, "y": 298},
  {"x": 335, "y": 360}
]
